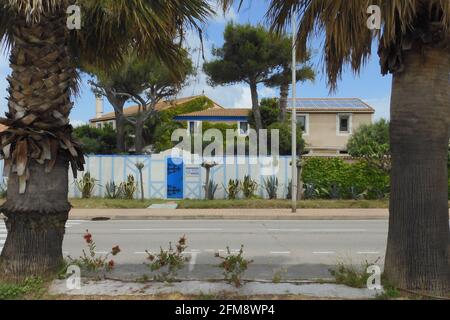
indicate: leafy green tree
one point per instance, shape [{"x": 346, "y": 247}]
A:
[
  {"x": 38, "y": 144},
  {"x": 285, "y": 136},
  {"x": 250, "y": 54},
  {"x": 145, "y": 82},
  {"x": 270, "y": 112},
  {"x": 96, "y": 140},
  {"x": 371, "y": 143},
  {"x": 283, "y": 77}
]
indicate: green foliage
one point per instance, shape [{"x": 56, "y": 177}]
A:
[
  {"x": 129, "y": 187},
  {"x": 250, "y": 54},
  {"x": 158, "y": 130},
  {"x": 168, "y": 262},
  {"x": 285, "y": 136},
  {"x": 352, "y": 276},
  {"x": 249, "y": 187},
  {"x": 271, "y": 186},
  {"x": 32, "y": 288},
  {"x": 3, "y": 189},
  {"x": 86, "y": 185},
  {"x": 96, "y": 140},
  {"x": 113, "y": 191},
  {"x": 90, "y": 261},
  {"x": 325, "y": 176},
  {"x": 234, "y": 266},
  {"x": 270, "y": 112},
  {"x": 371, "y": 143},
  {"x": 233, "y": 189}
]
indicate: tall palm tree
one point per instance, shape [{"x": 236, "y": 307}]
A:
[
  {"x": 414, "y": 46},
  {"x": 38, "y": 146}
]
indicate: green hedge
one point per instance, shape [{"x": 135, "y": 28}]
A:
[{"x": 334, "y": 178}]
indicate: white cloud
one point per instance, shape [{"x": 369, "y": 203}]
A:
[
  {"x": 233, "y": 96},
  {"x": 220, "y": 16},
  {"x": 381, "y": 106},
  {"x": 77, "y": 123}
]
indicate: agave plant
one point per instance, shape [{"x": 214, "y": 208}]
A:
[
  {"x": 271, "y": 186},
  {"x": 86, "y": 185},
  {"x": 249, "y": 187},
  {"x": 113, "y": 191},
  {"x": 233, "y": 189},
  {"x": 129, "y": 187},
  {"x": 210, "y": 190}
]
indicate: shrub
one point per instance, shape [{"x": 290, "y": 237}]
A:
[
  {"x": 86, "y": 185},
  {"x": 30, "y": 288},
  {"x": 234, "y": 266},
  {"x": 249, "y": 187},
  {"x": 330, "y": 175},
  {"x": 169, "y": 261},
  {"x": 271, "y": 186},
  {"x": 234, "y": 186}
]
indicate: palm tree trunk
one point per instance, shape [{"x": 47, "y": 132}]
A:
[
  {"x": 255, "y": 105},
  {"x": 418, "y": 256},
  {"x": 284, "y": 93},
  {"x": 39, "y": 137},
  {"x": 35, "y": 222}
]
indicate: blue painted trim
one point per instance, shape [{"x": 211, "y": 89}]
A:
[{"x": 206, "y": 118}]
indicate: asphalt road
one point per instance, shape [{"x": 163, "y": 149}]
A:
[
  {"x": 291, "y": 249},
  {"x": 300, "y": 249}
]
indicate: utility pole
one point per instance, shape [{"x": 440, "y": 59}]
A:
[{"x": 294, "y": 114}]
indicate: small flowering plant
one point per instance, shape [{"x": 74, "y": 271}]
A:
[
  {"x": 169, "y": 262},
  {"x": 90, "y": 261},
  {"x": 234, "y": 266}
]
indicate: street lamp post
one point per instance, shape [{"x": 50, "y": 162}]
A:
[{"x": 294, "y": 115}]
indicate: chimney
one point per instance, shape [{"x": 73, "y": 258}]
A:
[{"x": 98, "y": 107}]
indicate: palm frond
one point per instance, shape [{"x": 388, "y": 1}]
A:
[{"x": 348, "y": 41}]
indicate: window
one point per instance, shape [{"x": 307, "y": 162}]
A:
[
  {"x": 243, "y": 128},
  {"x": 302, "y": 123},
  {"x": 99, "y": 125},
  {"x": 192, "y": 127},
  {"x": 344, "y": 123}
]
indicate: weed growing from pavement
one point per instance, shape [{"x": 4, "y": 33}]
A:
[
  {"x": 350, "y": 275},
  {"x": 168, "y": 262},
  {"x": 90, "y": 261},
  {"x": 32, "y": 288},
  {"x": 234, "y": 266}
]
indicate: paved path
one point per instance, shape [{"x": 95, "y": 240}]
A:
[{"x": 228, "y": 214}]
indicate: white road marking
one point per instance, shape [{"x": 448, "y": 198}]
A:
[
  {"x": 175, "y": 229},
  {"x": 324, "y": 252},
  {"x": 280, "y": 252},
  {"x": 2, "y": 241},
  {"x": 368, "y": 252},
  {"x": 318, "y": 230}
]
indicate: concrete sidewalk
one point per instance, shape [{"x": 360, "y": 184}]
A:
[{"x": 229, "y": 214}]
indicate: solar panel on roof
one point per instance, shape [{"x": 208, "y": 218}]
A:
[{"x": 330, "y": 104}]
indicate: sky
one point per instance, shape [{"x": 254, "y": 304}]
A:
[{"x": 369, "y": 85}]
